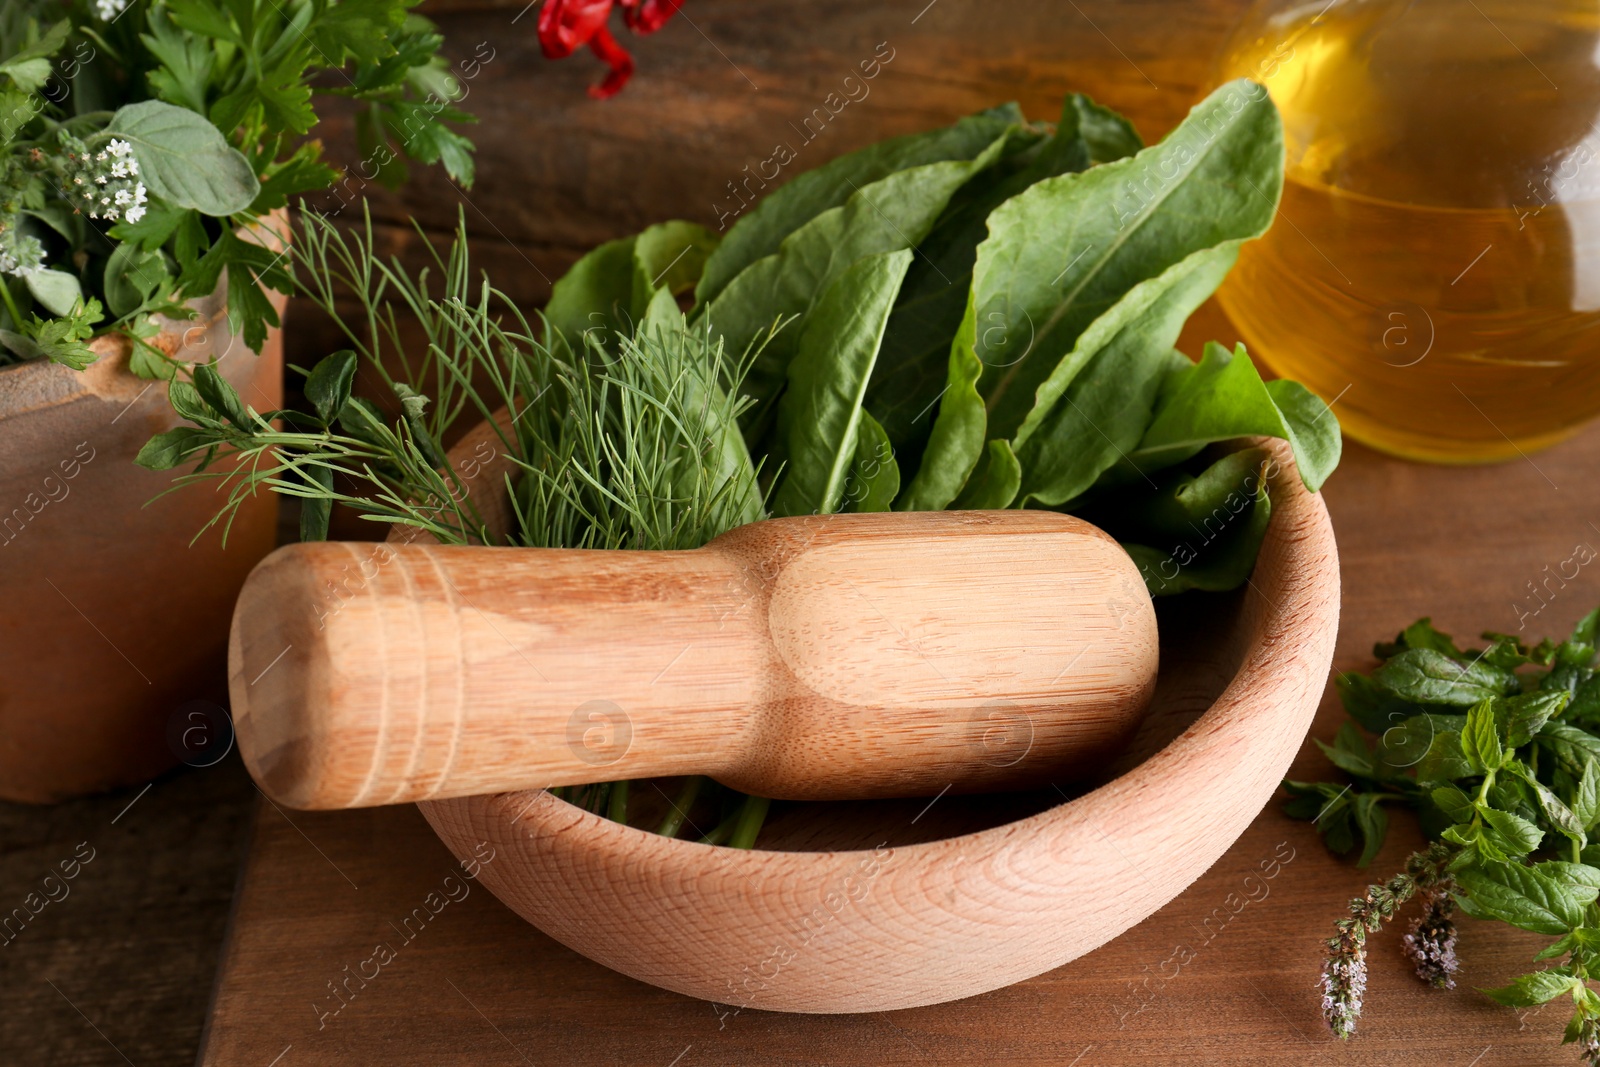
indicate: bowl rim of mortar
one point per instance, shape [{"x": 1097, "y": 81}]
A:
[{"x": 873, "y": 930}]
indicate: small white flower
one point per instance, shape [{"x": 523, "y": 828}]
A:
[
  {"x": 118, "y": 147},
  {"x": 124, "y": 197},
  {"x": 110, "y": 9},
  {"x": 135, "y": 213},
  {"x": 101, "y": 179}
]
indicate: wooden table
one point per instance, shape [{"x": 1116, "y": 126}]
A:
[
  {"x": 559, "y": 174},
  {"x": 479, "y": 986}
]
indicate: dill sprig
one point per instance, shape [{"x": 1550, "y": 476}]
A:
[{"x": 631, "y": 441}]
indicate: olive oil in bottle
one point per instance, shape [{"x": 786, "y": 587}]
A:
[{"x": 1434, "y": 271}]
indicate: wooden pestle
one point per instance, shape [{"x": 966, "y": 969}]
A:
[{"x": 820, "y": 657}]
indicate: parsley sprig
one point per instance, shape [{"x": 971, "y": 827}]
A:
[
  {"x": 136, "y": 142},
  {"x": 1497, "y": 750}
]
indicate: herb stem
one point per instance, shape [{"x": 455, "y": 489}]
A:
[
  {"x": 720, "y": 834},
  {"x": 751, "y": 814},
  {"x": 617, "y": 809},
  {"x": 1483, "y": 793},
  {"x": 687, "y": 794},
  {"x": 11, "y": 307}
]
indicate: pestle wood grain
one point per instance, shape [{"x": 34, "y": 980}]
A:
[{"x": 815, "y": 657}]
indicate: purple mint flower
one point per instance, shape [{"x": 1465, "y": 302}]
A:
[
  {"x": 1431, "y": 944},
  {"x": 1344, "y": 982}
]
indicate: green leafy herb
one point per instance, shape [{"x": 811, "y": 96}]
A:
[
  {"x": 634, "y": 424},
  {"x": 136, "y": 141},
  {"x": 1509, "y": 792}
]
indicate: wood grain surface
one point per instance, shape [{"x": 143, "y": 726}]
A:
[
  {"x": 849, "y": 908},
  {"x": 132, "y": 952},
  {"x": 1223, "y": 975},
  {"x": 804, "y": 658}
]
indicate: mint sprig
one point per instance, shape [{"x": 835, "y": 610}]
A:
[{"x": 1496, "y": 751}]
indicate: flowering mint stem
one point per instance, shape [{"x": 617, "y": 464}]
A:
[{"x": 1344, "y": 976}]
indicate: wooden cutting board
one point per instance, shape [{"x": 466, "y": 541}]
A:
[{"x": 1225, "y": 974}]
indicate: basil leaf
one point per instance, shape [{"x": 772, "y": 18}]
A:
[
  {"x": 761, "y": 231},
  {"x": 874, "y": 476},
  {"x": 1522, "y": 896},
  {"x": 184, "y": 159},
  {"x": 819, "y": 415},
  {"x": 1428, "y": 677}
]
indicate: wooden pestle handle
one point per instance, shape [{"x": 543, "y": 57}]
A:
[{"x": 820, "y": 657}]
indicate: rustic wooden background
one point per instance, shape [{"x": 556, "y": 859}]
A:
[{"x": 121, "y": 971}]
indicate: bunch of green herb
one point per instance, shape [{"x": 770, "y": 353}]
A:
[
  {"x": 853, "y": 297},
  {"x": 1497, "y": 750},
  {"x": 135, "y": 141},
  {"x": 628, "y": 441},
  {"x": 983, "y": 316}
]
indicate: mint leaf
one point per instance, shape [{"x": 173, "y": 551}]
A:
[
  {"x": 1535, "y": 988},
  {"x": 1373, "y": 822},
  {"x": 1425, "y": 676},
  {"x": 1519, "y": 895},
  {"x": 1526, "y": 714},
  {"x": 1480, "y": 741},
  {"x": 1513, "y": 835}
]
